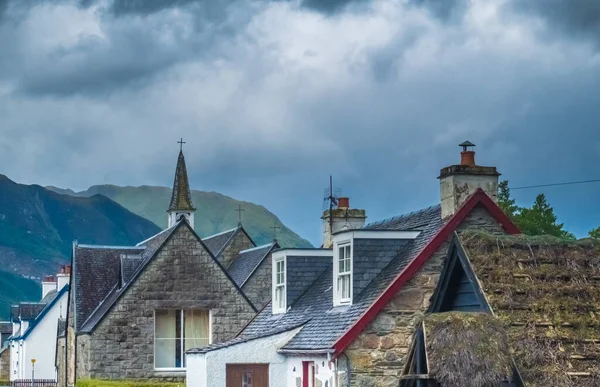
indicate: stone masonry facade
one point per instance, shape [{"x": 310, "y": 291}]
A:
[
  {"x": 181, "y": 276},
  {"x": 258, "y": 286},
  {"x": 4, "y": 363},
  {"x": 378, "y": 355},
  {"x": 240, "y": 242}
]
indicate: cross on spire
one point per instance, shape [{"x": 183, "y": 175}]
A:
[
  {"x": 181, "y": 142},
  {"x": 275, "y": 227},
  {"x": 239, "y": 210}
]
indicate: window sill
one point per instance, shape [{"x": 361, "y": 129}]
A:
[{"x": 167, "y": 372}]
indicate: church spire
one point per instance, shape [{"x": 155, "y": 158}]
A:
[{"x": 181, "y": 197}]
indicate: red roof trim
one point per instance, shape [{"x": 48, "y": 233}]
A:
[{"x": 479, "y": 197}]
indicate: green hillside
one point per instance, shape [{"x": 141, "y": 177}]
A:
[
  {"x": 215, "y": 212},
  {"x": 16, "y": 289},
  {"x": 37, "y": 229}
]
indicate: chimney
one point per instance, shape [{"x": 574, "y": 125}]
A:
[
  {"x": 63, "y": 277},
  {"x": 48, "y": 284},
  {"x": 342, "y": 217},
  {"x": 458, "y": 182}
]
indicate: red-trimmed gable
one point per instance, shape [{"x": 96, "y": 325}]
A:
[{"x": 478, "y": 198}]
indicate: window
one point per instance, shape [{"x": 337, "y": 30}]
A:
[
  {"x": 176, "y": 331},
  {"x": 247, "y": 379},
  {"x": 344, "y": 274},
  {"x": 279, "y": 286}
]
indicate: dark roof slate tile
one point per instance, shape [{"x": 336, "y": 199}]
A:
[
  {"x": 242, "y": 267},
  {"x": 217, "y": 243},
  {"x": 5, "y": 327},
  {"x": 323, "y": 324}
]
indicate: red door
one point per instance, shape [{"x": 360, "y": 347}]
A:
[{"x": 247, "y": 375}]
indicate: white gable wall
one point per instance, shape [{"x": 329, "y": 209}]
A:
[
  {"x": 40, "y": 345},
  {"x": 209, "y": 369}
]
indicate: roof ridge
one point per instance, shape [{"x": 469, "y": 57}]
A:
[
  {"x": 221, "y": 233},
  {"x": 257, "y": 248},
  {"x": 111, "y": 247},
  {"x": 157, "y": 234},
  {"x": 401, "y": 216}
]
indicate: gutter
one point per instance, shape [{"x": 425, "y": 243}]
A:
[{"x": 324, "y": 351}]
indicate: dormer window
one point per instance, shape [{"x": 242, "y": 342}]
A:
[
  {"x": 343, "y": 273},
  {"x": 279, "y": 296}
]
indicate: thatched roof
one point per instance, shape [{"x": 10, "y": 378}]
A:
[
  {"x": 546, "y": 292},
  {"x": 467, "y": 349}
]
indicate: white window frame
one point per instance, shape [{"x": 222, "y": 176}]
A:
[
  {"x": 275, "y": 286},
  {"x": 337, "y": 296},
  {"x": 182, "y": 311}
]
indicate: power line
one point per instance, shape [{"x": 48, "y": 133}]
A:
[{"x": 556, "y": 184}]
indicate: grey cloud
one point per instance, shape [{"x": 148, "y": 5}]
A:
[
  {"x": 150, "y": 6},
  {"x": 267, "y": 124},
  {"x": 445, "y": 10},
  {"x": 330, "y": 6},
  {"x": 576, "y": 18}
]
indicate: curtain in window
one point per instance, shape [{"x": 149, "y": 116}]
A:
[{"x": 197, "y": 329}]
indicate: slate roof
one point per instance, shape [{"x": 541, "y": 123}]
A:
[
  {"x": 26, "y": 310},
  {"x": 61, "y": 328},
  {"x": 546, "y": 291},
  {"x": 96, "y": 272},
  {"x": 322, "y": 323},
  {"x": 5, "y": 327},
  {"x": 242, "y": 267},
  {"x": 49, "y": 297},
  {"x": 216, "y": 243},
  {"x": 181, "y": 197},
  {"x": 100, "y": 276}
]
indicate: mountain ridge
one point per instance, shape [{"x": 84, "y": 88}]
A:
[
  {"x": 38, "y": 227},
  {"x": 215, "y": 212}
]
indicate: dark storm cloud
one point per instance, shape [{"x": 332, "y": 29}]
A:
[
  {"x": 273, "y": 96},
  {"x": 443, "y": 9},
  {"x": 215, "y": 8},
  {"x": 151, "y": 6},
  {"x": 575, "y": 18},
  {"x": 330, "y": 6}
]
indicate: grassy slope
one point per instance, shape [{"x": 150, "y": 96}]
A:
[
  {"x": 216, "y": 212},
  {"x": 16, "y": 288}
]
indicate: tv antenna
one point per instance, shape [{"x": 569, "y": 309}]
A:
[{"x": 331, "y": 199}]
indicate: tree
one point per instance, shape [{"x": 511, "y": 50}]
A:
[
  {"x": 595, "y": 233},
  {"x": 504, "y": 200},
  {"x": 540, "y": 220}
]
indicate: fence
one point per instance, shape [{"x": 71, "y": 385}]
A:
[{"x": 34, "y": 383}]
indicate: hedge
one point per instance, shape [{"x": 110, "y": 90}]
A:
[{"x": 126, "y": 383}]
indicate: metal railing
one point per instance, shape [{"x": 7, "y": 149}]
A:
[{"x": 34, "y": 383}]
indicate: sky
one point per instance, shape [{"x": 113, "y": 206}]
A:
[{"x": 273, "y": 96}]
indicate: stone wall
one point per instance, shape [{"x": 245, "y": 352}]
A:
[
  {"x": 181, "y": 276},
  {"x": 378, "y": 355},
  {"x": 480, "y": 219},
  {"x": 4, "y": 363},
  {"x": 84, "y": 351},
  {"x": 61, "y": 342},
  {"x": 240, "y": 242},
  {"x": 258, "y": 286}
]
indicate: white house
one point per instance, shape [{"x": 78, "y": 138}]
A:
[{"x": 33, "y": 341}]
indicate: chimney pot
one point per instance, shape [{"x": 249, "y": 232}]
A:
[
  {"x": 467, "y": 158},
  {"x": 343, "y": 202}
]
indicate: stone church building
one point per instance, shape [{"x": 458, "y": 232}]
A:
[{"x": 135, "y": 310}]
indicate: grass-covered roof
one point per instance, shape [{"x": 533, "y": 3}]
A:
[
  {"x": 546, "y": 293},
  {"x": 467, "y": 349}
]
